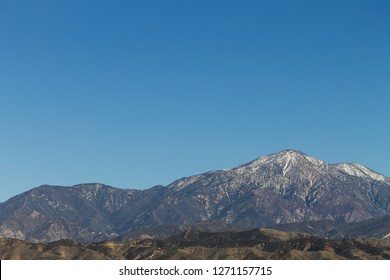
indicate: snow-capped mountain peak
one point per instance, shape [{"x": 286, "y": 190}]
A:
[
  {"x": 356, "y": 169},
  {"x": 284, "y": 163}
]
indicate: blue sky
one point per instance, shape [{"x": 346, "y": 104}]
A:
[{"x": 138, "y": 93}]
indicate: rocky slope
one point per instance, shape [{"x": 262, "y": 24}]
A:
[
  {"x": 373, "y": 228},
  {"x": 166, "y": 231},
  {"x": 378, "y": 228},
  {"x": 285, "y": 187}
]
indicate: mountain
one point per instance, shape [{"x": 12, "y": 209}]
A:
[
  {"x": 47, "y": 213},
  {"x": 285, "y": 187},
  {"x": 196, "y": 245}
]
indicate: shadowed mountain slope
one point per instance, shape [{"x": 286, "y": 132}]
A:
[
  {"x": 195, "y": 245},
  {"x": 373, "y": 228}
]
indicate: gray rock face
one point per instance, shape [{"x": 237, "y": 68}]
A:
[{"x": 285, "y": 187}]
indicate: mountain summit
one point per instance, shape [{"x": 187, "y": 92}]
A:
[{"x": 280, "y": 188}]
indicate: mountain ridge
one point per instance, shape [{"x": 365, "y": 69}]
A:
[
  {"x": 195, "y": 245},
  {"x": 280, "y": 188}
]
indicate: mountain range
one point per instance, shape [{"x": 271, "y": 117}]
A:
[{"x": 288, "y": 187}]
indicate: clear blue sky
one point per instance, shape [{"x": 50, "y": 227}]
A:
[{"x": 138, "y": 93}]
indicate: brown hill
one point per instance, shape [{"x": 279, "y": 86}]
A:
[{"x": 192, "y": 244}]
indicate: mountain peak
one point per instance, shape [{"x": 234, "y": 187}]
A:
[
  {"x": 356, "y": 169},
  {"x": 289, "y": 155},
  {"x": 291, "y": 152},
  {"x": 285, "y": 159},
  {"x": 91, "y": 186}
]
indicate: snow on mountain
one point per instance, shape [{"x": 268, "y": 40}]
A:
[
  {"x": 359, "y": 170},
  {"x": 284, "y": 187}
]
